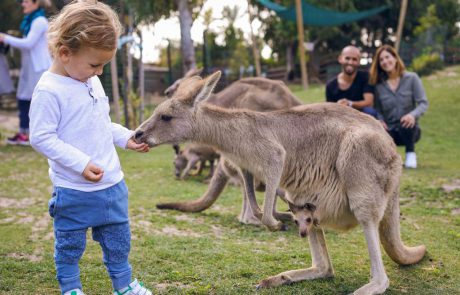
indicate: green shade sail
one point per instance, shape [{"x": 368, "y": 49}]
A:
[{"x": 315, "y": 16}]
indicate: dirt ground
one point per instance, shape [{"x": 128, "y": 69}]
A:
[{"x": 9, "y": 120}]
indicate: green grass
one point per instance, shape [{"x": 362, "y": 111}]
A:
[{"x": 211, "y": 252}]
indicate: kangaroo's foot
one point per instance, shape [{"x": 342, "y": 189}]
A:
[
  {"x": 292, "y": 276},
  {"x": 247, "y": 217},
  {"x": 374, "y": 287},
  {"x": 272, "y": 224}
]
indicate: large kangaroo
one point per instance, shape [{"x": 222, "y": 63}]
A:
[
  {"x": 258, "y": 94},
  {"x": 338, "y": 159}
]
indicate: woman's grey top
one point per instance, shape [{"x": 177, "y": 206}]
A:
[{"x": 409, "y": 98}]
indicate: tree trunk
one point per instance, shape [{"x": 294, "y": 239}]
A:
[
  {"x": 290, "y": 60},
  {"x": 255, "y": 49},
  {"x": 115, "y": 89},
  {"x": 141, "y": 82},
  {"x": 187, "y": 49}
]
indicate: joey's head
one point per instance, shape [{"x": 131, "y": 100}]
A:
[
  {"x": 304, "y": 217},
  {"x": 173, "y": 120},
  {"x": 180, "y": 162}
]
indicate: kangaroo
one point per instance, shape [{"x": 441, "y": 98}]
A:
[
  {"x": 192, "y": 155},
  {"x": 336, "y": 158},
  {"x": 259, "y": 94},
  {"x": 304, "y": 218}
]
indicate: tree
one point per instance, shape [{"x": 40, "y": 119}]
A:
[
  {"x": 367, "y": 33},
  {"x": 151, "y": 11}
]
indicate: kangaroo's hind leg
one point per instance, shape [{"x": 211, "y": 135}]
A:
[
  {"x": 379, "y": 281},
  {"x": 321, "y": 264}
]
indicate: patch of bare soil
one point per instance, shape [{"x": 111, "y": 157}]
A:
[
  {"x": 36, "y": 256},
  {"x": 450, "y": 187},
  {"x": 445, "y": 73},
  {"x": 16, "y": 203},
  {"x": 164, "y": 286},
  {"x": 455, "y": 211},
  {"x": 9, "y": 121}
]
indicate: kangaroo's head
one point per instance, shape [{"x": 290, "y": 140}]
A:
[
  {"x": 173, "y": 88},
  {"x": 180, "y": 162},
  {"x": 304, "y": 217},
  {"x": 173, "y": 120}
]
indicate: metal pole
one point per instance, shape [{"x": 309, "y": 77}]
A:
[
  {"x": 402, "y": 17},
  {"x": 300, "y": 32}
]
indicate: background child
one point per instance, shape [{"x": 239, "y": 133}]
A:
[{"x": 70, "y": 125}]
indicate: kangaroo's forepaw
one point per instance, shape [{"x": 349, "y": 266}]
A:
[
  {"x": 274, "y": 281},
  {"x": 374, "y": 287}
]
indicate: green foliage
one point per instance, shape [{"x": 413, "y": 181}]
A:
[
  {"x": 379, "y": 27},
  {"x": 426, "y": 64},
  {"x": 427, "y": 21}
]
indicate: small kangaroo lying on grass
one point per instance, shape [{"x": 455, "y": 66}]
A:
[
  {"x": 192, "y": 155},
  {"x": 258, "y": 94},
  {"x": 336, "y": 158}
]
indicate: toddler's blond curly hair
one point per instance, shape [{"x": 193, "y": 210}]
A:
[{"x": 84, "y": 23}]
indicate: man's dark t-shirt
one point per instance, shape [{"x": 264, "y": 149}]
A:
[{"x": 354, "y": 93}]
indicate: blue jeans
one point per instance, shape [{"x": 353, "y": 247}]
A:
[
  {"x": 370, "y": 111},
  {"x": 407, "y": 137},
  {"x": 24, "y": 107},
  {"x": 106, "y": 212}
]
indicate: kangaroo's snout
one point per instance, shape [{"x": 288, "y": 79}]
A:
[
  {"x": 138, "y": 135},
  {"x": 303, "y": 234}
]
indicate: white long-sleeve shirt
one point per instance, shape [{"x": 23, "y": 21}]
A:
[
  {"x": 36, "y": 43},
  {"x": 72, "y": 127}
]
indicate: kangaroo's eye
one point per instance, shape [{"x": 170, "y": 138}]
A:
[
  {"x": 296, "y": 222},
  {"x": 165, "y": 118},
  {"x": 308, "y": 220}
]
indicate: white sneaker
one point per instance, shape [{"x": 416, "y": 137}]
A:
[
  {"x": 74, "y": 292},
  {"x": 135, "y": 288},
  {"x": 411, "y": 160}
]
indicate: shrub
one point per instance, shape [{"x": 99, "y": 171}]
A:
[{"x": 425, "y": 64}]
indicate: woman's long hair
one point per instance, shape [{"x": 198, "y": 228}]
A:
[{"x": 377, "y": 74}]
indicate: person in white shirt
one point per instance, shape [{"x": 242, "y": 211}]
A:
[
  {"x": 35, "y": 59},
  {"x": 71, "y": 126}
]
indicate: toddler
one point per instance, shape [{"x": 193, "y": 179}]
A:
[{"x": 70, "y": 125}]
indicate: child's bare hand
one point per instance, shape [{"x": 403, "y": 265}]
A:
[
  {"x": 138, "y": 147},
  {"x": 92, "y": 172}
]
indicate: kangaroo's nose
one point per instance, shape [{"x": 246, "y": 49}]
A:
[{"x": 138, "y": 134}]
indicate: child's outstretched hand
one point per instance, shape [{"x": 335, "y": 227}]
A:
[
  {"x": 92, "y": 172},
  {"x": 138, "y": 147}
]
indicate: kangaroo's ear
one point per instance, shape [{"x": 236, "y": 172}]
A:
[
  {"x": 209, "y": 84},
  {"x": 293, "y": 208},
  {"x": 176, "y": 148},
  {"x": 310, "y": 207}
]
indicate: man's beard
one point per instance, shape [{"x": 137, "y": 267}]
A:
[{"x": 349, "y": 72}]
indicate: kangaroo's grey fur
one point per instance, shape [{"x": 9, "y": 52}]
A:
[
  {"x": 192, "y": 155},
  {"x": 336, "y": 158},
  {"x": 258, "y": 94}
]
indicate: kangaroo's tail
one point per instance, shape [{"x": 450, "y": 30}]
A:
[
  {"x": 390, "y": 236},
  {"x": 217, "y": 185}
]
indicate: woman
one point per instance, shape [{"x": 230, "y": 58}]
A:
[
  {"x": 400, "y": 100},
  {"x": 35, "y": 59}
]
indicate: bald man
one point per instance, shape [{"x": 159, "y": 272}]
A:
[{"x": 351, "y": 87}]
